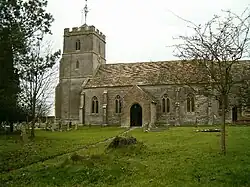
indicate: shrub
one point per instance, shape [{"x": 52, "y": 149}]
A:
[{"x": 119, "y": 142}]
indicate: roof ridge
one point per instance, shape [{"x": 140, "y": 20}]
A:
[{"x": 146, "y": 62}]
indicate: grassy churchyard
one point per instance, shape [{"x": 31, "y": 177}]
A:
[{"x": 178, "y": 156}]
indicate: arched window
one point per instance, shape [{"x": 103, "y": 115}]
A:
[
  {"x": 78, "y": 45},
  {"x": 118, "y": 104},
  {"x": 94, "y": 105},
  {"x": 220, "y": 102},
  {"x": 165, "y": 104},
  {"x": 77, "y": 64},
  {"x": 190, "y": 104}
]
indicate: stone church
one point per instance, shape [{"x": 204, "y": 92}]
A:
[{"x": 125, "y": 94}]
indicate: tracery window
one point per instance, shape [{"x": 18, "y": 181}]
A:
[
  {"x": 94, "y": 105},
  {"x": 190, "y": 103},
  {"x": 165, "y": 104},
  {"x": 118, "y": 104},
  {"x": 78, "y": 45}
]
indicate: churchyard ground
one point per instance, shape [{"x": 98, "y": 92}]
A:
[
  {"x": 178, "y": 156},
  {"x": 15, "y": 154}
]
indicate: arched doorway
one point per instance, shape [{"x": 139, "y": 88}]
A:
[
  {"x": 234, "y": 114},
  {"x": 136, "y": 115}
]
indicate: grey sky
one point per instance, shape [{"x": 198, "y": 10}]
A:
[{"x": 137, "y": 30}]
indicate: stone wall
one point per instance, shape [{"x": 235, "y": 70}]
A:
[
  {"x": 77, "y": 66},
  {"x": 136, "y": 95},
  {"x": 58, "y": 101},
  {"x": 113, "y": 117},
  {"x": 93, "y": 118},
  {"x": 202, "y": 114}
]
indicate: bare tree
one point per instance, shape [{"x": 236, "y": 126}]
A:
[
  {"x": 213, "y": 56},
  {"x": 38, "y": 81}
]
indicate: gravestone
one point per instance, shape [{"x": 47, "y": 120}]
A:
[
  {"x": 24, "y": 135},
  {"x": 67, "y": 126},
  {"x": 54, "y": 127}
]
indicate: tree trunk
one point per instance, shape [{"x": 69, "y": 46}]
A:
[
  {"x": 32, "y": 133},
  {"x": 223, "y": 126}
]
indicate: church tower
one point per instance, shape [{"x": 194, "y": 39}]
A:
[{"x": 83, "y": 53}]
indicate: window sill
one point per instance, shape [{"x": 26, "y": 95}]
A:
[
  {"x": 94, "y": 114},
  {"x": 191, "y": 113}
]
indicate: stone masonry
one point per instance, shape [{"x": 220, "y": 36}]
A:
[{"x": 93, "y": 92}]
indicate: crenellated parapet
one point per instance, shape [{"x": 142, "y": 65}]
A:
[{"x": 85, "y": 29}]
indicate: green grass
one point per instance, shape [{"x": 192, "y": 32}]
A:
[
  {"x": 175, "y": 157},
  {"x": 14, "y": 154}
]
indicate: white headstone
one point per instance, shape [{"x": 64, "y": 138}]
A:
[
  {"x": 53, "y": 128},
  {"x": 23, "y": 133}
]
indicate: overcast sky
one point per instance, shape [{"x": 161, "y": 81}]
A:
[{"x": 137, "y": 30}]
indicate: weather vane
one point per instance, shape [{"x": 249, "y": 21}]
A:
[{"x": 85, "y": 12}]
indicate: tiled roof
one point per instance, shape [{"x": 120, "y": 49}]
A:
[{"x": 142, "y": 73}]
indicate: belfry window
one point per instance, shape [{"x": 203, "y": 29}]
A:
[
  {"x": 78, "y": 45},
  {"x": 94, "y": 105},
  {"x": 165, "y": 104},
  {"x": 118, "y": 104},
  {"x": 190, "y": 104}
]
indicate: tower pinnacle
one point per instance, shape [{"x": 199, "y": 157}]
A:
[{"x": 85, "y": 12}]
